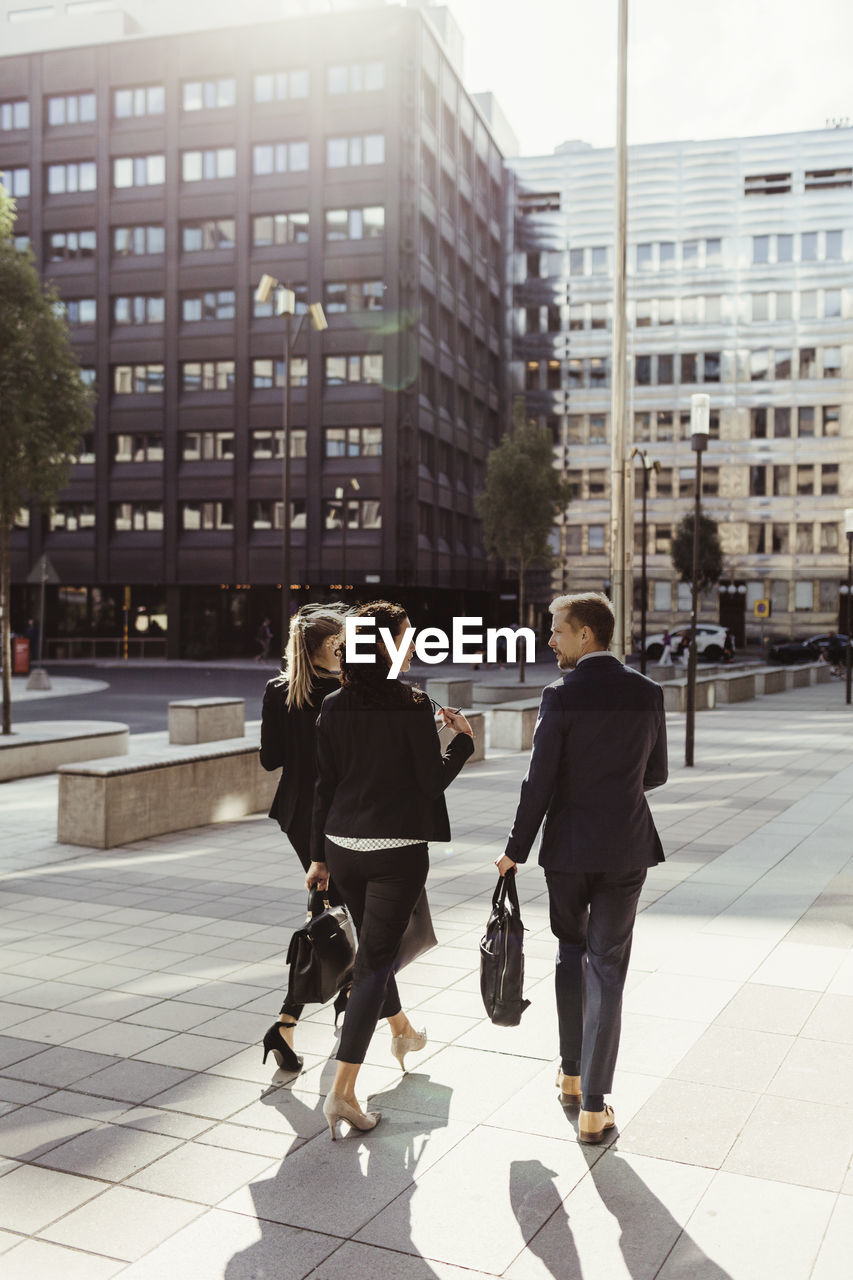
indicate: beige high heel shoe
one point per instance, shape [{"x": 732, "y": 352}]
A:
[
  {"x": 401, "y": 1045},
  {"x": 336, "y": 1108}
]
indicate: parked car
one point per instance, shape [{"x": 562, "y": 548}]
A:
[
  {"x": 710, "y": 642},
  {"x": 808, "y": 650}
]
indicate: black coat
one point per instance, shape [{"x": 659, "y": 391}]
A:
[
  {"x": 599, "y": 744},
  {"x": 381, "y": 771},
  {"x": 287, "y": 743}
]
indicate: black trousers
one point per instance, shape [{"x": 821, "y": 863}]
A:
[
  {"x": 380, "y": 890},
  {"x": 299, "y": 835},
  {"x": 592, "y": 917}
]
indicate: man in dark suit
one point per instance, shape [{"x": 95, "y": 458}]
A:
[{"x": 599, "y": 745}]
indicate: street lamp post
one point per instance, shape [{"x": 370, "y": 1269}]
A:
[
  {"x": 340, "y": 496},
  {"x": 286, "y": 306},
  {"x": 700, "y": 427},
  {"x": 649, "y": 465},
  {"x": 848, "y": 530}
]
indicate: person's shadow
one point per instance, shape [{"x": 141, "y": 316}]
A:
[
  {"x": 331, "y": 1188},
  {"x": 641, "y": 1217}
]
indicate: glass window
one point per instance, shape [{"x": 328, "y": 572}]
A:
[
  {"x": 834, "y": 245},
  {"x": 713, "y": 252},
  {"x": 595, "y": 538},
  {"x": 805, "y": 421},
  {"x": 832, "y": 362},
  {"x": 784, "y": 363},
  {"x": 16, "y": 181},
  {"x": 666, "y": 249},
  {"x": 711, "y": 366},
  {"x": 808, "y": 246},
  {"x": 785, "y": 248},
  {"x": 783, "y": 306},
  {"x": 831, "y": 304},
  {"x": 666, "y": 312},
  {"x": 803, "y": 594},
  {"x": 690, "y": 253},
  {"x": 688, "y": 368},
  {"x": 645, "y": 257},
  {"x": 759, "y": 365},
  {"x": 576, "y": 261},
  {"x": 829, "y": 478},
  {"x": 14, "y": 115},
  {"x": 808, "y": 362},
  {"x": 665, "y": 370},
  {"x": 760, "y": 307},
  {"x": 831, "y": 419},
  {"x": 808, "y": 304},
  {"x": 781, "y": 423},
  {"x": 828, "y": 538},
  {"x": 760, "y": 250},
  {"x": 600, "y": 255}
]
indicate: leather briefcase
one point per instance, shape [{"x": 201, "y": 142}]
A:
[
  {"x": 321, "y": 953},
  {"x": 419, "y": 936},
  {"x": 502, "y": 957}
]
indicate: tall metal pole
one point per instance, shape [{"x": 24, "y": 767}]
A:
[
  {"x": 643, "y": 578},
  {"x": 285, "y": 487},
  {"x": 849, "y": 602},
  {"x": 618, "y": 574},
  {"x": 41, "y": 608},
  {"x": 694, "y": 603}
]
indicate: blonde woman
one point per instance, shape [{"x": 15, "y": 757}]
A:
[{"x": 291, "y": 705}]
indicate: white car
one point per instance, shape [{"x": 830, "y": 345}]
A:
[{"x": 710, "y": 641}]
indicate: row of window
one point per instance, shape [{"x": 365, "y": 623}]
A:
[
  {"x": 780, "y": 184},
  {"x": 339, "y": 297},
  {"x": 818, "y": 479},
  {"x": 219, "y": 375},
  {"x": 808, "y": 304},
  {"x": 219, "y": 446},
  {"x": 197, "y": 516},
  {"x": 762, "y": 539},
  {"x": 783, "y": 422},
  {"x": 810, "y": 479},
  {"x": 196, "y": 95},
  {"x": 806, "y": 598},
  {"x": 688, "y": 368},
  {"x": 210, "y": 234}
]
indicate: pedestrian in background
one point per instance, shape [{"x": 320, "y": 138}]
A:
[
  {"x": 264, "y": 639},
  {"x": 291, "y": 705},
  {"x": 379, "y": 799},
  {"x": 666, "y": 655}
]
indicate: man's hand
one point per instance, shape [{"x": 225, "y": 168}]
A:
[
  {"x": 318, "y": 874},
  {"x": 505, "y": 864}
]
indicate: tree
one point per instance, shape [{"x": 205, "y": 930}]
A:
[
  {"x": 44, "y": 406},
  {"x": 523, "y": 495},
  {"x": 710, "y": 552}
]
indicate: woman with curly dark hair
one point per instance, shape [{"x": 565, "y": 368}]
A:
[{"x": 378, "y": 800}]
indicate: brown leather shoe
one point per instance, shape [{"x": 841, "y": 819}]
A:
[
  {"x": 570, "y": 1088},
  {"x": 592, "y": 1125}
]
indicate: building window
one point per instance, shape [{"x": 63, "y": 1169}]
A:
[
  {"x": 207, "y": 446},
  {"x": 204, "y": 166},
  {"x": 353, "y": 295},
  {"x": 760, "y": 250},
  {"x": 356, "y": 77},
  {"x": 643, "y": 371},
  {"x": 805, "y": 421},
  {"x": 808, "y": 246},
  {"x": 359, "y": 149},
  {"x": 595, "y": 538},
  {"x": 207, "y": 375},
  {"x": 645, "y": 257},
  {"x": 803, "y": 596},
  {"x": 266, "y": 513},
  {"x": 828, "y": 538},
  {"x": 139, "y": 308},
  {"x": 831, "y": 420},
  {"x": 780, "y": 539},
  {"x": 71, "y": 108},
  {"x": 755, "y": 539},
  {"x": 362, "y": 513},
  {"x": 14, "y": 115},
  {"x": 137, "y": 379},
  {"x": 279, "y": 157},
  {"x": 267, "y": 446},
  {"x": 72, "y": 517},
  {"x": 832, "y": 362},
  {"x": 834, "y": 245},
  {"x": 80, "y": 310},
  {"x": 600, "y": 260},
  {"x": 139, "y": 447},
  {"x": 77, "y": 175},
  {"x": 137, "y": 517},
  {"x": 86, "y": 450},
  {"x": 355, "y": 224},
  {"x": 665, "y": 370},
  {"x": 270, "y": 373},
  {"x": 132, "y": 242},
  {"x": 207, "y": 235},
  {"x": 829, "y": 478},
  {"x": 213, "y": 304},
  {"x": 16, "y": 182},
  {"x": 711, "y": 367},
  {"x": 142, "y": 100},
  {"x": 781, "y": 423},
  {"x": 341, "y": 370},
  {"x": 208, "y": 95},
  {"x": 277, "y": 86},
  {"x": 805, "y": 480},
  {"x": 139, "y": 171},
  {"x": 783, "y": 364},
  {"x": 808, "y": 362},
  {"x": 203, "y": 516},
  {"x": 767, "y": 184},
  {"x": 280, "y": 228},
  {"x": 597, "y": 483},
  {"x": 69, "y": 246},
  {"x": 759, "y": 365}
]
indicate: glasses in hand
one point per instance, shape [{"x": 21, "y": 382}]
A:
[{"x": 436, "y": 709}]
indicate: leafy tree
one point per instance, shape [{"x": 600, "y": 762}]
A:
[
  {"x": 523, "y": 495},
  {"x": 710, "y": 552},
  {"x": 44, "y": 406}
]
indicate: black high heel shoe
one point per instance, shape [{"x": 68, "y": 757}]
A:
[
  {"x": 279, "y": 1048},
  {"x": 341, "y": 999}
]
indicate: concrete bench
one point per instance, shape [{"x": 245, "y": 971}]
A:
[
  {"x": 497, "y": 693},
  {"x": 736, "y": 687},
  {"x": 118, "y": 800},
  {"x": 771, "y": 680},
  {"x": 675, "y": 694},
  {"x": 41, "y": 747},
  {"x": 450, "y": 693},
  {"x": 195, "y": 720},
  {"x": 477, "y": 721},
  {"x": 513, "y": 724}
]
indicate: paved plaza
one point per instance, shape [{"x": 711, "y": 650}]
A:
[{"x": 141, "y": 1137}]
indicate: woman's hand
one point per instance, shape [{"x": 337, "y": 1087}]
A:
[
  {"x": 318, "y": 876},
  {"x": 456, "y": 721}
]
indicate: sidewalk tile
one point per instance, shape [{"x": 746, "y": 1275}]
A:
[
  {"x": 122, "y": 1223},
  {"x": 38, "y": 1258},
  {"x": 206, "y": 1095},
  {"x": 734, "y": 1058},
  {"x": 816, "y": 1071},
  {"x": 132, "y": 1081},
  {"x": 806, "y": 1143},
  {"x": 111, "y": 1152},
  {"x": 691, "y": 1123},
  {"x": 831, "y": 1019},
  {"x": 833, "y": 1260},
  {"x": 204, "y": 1175},
  {"x": 30, "y": 1197},
  {"x": 795, "y": 964},
  {"x": 756, "y": 1007}
]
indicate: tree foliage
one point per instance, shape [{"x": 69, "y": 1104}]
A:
[
  {"x": 710, "y": 552},
  {"x": 44, "y": 405}
]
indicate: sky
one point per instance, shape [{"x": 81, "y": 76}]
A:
[{"x": 696, "y": 68}]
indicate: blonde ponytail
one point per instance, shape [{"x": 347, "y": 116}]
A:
[{"x": 309, "y": 627}]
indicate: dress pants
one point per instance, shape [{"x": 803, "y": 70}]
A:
[
  {"x": 299, "y": 835},
  {"x": 380, "y": 889},
  {"x": 592, "y": 917}
]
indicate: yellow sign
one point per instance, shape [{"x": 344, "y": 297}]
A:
[{"x": 761, "y": 609}]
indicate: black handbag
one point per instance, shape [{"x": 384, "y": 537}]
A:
[
  {"x": 419, "y": 936},
  {"x": 321, "y": 953},
  {"x": 502, "y": 957}
]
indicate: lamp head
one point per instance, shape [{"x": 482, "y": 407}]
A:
[
  {"x": 266, "y": 284},
  {"x": 848, "y": 522},
  {"x": 318, "y": 316}
]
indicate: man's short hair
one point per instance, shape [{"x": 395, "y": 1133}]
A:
[{"x": 588, "y": 609}]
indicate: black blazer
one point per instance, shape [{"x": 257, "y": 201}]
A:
[
  {"x": 599, "y": 744},
  {"x": 381, "y": 771},
  {"x": 287, "y": 743}
]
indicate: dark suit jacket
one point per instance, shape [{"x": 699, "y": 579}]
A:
[
  {"x": 599, "y": 744},
  {"x": 287, "y": 743},
  {"x": 381, "y": 771}
]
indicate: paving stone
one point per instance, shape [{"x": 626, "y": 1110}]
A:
[
  {"x": 833, "y": 1260},
  {"x": 769, "y": 1008},
  {"x": 111, "y": 1152},
  {"x": 133, "y": 1081},
  {"x": 202, "y": 1174},
  {"x": 806, "y": 1143},
  {"x": 734, "y": 1058},
  {"x": 122, "y": 1222},
  {"x": 30, "y": 1197},
  {"x": 691, "y": 1123}
]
